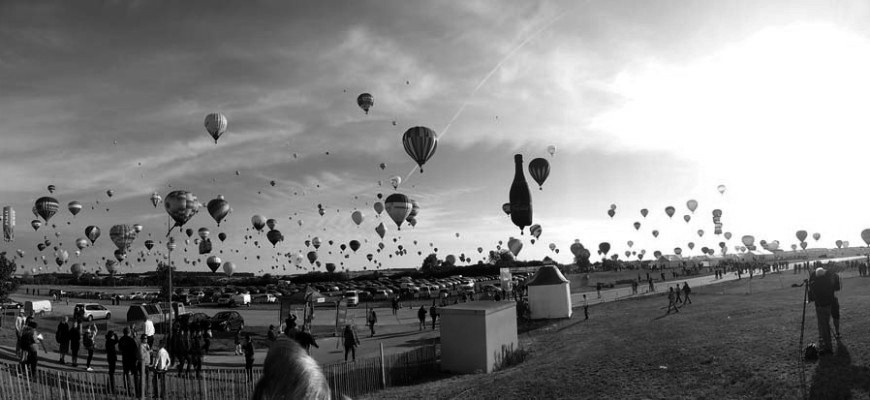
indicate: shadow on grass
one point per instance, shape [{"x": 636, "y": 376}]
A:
[{"x": 836, "y": 377}]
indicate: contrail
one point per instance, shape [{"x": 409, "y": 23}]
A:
[{"x": 489, "y": 75}]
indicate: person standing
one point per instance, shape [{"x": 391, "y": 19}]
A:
[
  {"x": 585, "y": 308},
  {"x": 206, "y": 341},
  {"x": 421, "y": 315},
  {"x": 686, "y": 291},
  {"x": 143, "y": 362},
  {"x": 149, "y": 331},
  {"x": 62, "y": 337},
  {"x": 652, "y": 287},
  {"x": 249, "y": 357},
  {"x": 129, "y": 349},
  {"x": 433, "y": 314},
  {"x": 20, "y": 324},
  {"x": 29, "y": 343},
  {"x": 305, "y": 340},
  {"x": 372, "y": 320},
  {"x": 672, "y": 300},
  {"x": 75, "y": 337},
  {"x": 88, "y": 340},
  {"x": 598, "y": 289},
  {"x": 112, "y": 357},
  {"x": 351, "y": 341},
  {"x": 195, "y": 355},
  {"x": 160, "y": 367},
  {"x": 821, "y": 291},
  {"x": 395, "y": 304},
  {"x": 835, "y": 305},
  {"x": 182, "y": 346},
  {"x": 271, "y": 334},
  {"x": 238, "y": 342},
  {"x": 290, "y": 322}
]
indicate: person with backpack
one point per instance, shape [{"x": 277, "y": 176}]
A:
[
  {"x": 821, "y": 291},
  {"x": 421, "y": 315},
  {"x": 686, "y": 291},
  {"x": 75, "y": 337},
  {"x": 351, "y": 341},
  {"x": 88, "y": 340},
  {"x": 62, "y": 338}
]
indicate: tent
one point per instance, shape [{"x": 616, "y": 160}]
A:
[{"x": 549, "y": 294}]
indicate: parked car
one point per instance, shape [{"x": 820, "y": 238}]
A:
[
  {"x": 228, "y": 321},
  {"x": 352, "y": 298},
  {"x": 225, "y": 299},
  {"x": 91, "y": 311},
  {"x": 194, "y": 321}
]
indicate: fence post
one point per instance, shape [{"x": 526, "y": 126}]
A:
[{"x": 383, "y": 369}]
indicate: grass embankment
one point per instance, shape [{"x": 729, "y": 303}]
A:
[{"x": 727, "y": 344}]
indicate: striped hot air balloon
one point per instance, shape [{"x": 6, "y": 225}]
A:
[
  {"x": 74, "y": 207},
  {"x": 398, "y": 207},
  {"x": 216, "y": 125},
  {"x": 420, "y": 143},
  {"x": 122, "y": 236},
  {"x": 539, "y": 169},
  {"x": 46, "y": 207},
  {"x": 365, "y": 101}
]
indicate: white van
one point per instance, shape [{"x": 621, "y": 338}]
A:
[
  {"x": 243, "y": 299},
  {"x": 352, "y": 298},
  {"x": 37, "y": 307}
]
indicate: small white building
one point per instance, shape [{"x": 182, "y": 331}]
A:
[
  {"x": 476, "y": 336},
  {"x": 549, "y": 294}
]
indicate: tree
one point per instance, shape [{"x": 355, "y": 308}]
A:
[
  {"x": 7, "y": 268},
  {"x": 582, "y": 262},
  {"x": 163, "y": 278},
  {"x": 430, "y": 264}
]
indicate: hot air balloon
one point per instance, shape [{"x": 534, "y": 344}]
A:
[
  {"x": 222, "y": 236},
  {"x": 188, "y": 232},
  {"x": 515, "y": 246},
  {"x": 506, "y": 207},
  {"x": 274, "y": 237},
  {"x": 229, "y": 268},
  {"x": 721, "y": 189},
  {"x": 81, "y": 243},
  {"x": 312, "y": 257},
  {"x": 604, "y": 248},
  {"x": 354, "y": 245},
  {"x": 51, "y": 188},
  {"x": 149, "y": 244},
  {"x": 839, "y": 244},
  {"x": 122, "y": 236},
  {"x": 203, "y": 233},
  {"x": 120, "y": 255},
  {"x": 271, "y": 223},
  {"x": 727, "y": 235},
  {"x": 74, "y": 207},
  {"x": 692, "y": 205},
  {"x": 748, "y": 240},
  {"x": 156, "y": 199},
  {"x": 691, "y": 245},
  {"x": 40, "y": 246},
  {"x": 215, "y": 125},
  {"x": 218, "y": 208},
  {"x": 365, "y": 101},
  {"x": 801, "y": 235},
  {"x": 395, "y": 181},
  {"x": 110, "y": 193},
  {"x": 379, "y": 207},
  {"x": 636, "y": 226},
  {"x": 111, "y": 267},
  {"x": 551, "y": 149},
  {"x": 420, "y": 143},
  {"x": 259, "y": 222},
  {"x": 36, "y": 224},
  {"x": 536, "y": 230},
  {"x": 8, "y": 224},
  {"x": 383, "y": 166},
  {"x": 138, "y": 228},
  {"x": 576, "y": 248},
  {"x": 865, "y": 236},
  {"x": 381, "y": 230},
  {"x": 803, "y": 245},
  {"x": 92, "y": 233},
  {"x": 611, "y": 213},
  {"x": 644, "y": 212},
  {"x": 687, "y": 218},
  {"x": 357, "y": 217},
  {"x": 181, "y": 205},
  {"x": 76, "y": 270},
  {"x": 46, "y": 207},
  {"x": 655, "y": 233},
  {"x": 678, "y": 251},
  {"x": 670, "y": 211},
  {"x": 817, "y": 236},
  {"x": 700, "y": 233},
  {"x": 398, "y": 207},
  {"x": 539, "y": 169},
  {"x": 630, "y": 243},
  {"x": 316, "y": 242}
]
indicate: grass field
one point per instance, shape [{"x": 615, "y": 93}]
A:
[{"x": 728, "y": 344}]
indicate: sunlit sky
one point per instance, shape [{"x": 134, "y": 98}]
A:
[{"x": 650, "y": 104}]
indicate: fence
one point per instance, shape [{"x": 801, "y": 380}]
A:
[{"x": 349, "y": 379}]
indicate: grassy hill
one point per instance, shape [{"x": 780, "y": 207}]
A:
[{"x": 727, "y": 344}]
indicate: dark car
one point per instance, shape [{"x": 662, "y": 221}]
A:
[
  {"x": 194, "y": 321},
  {"x": 227, "y": 321},
  {"x": 9, "y": 304}
]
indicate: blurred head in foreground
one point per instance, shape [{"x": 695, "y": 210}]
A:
[{"x": 290, "y": 373}]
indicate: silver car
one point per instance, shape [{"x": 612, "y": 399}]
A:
[{"x": 91, "y": 311}]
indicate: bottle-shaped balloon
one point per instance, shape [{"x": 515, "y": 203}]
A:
[{"x": 520, "y": 197}]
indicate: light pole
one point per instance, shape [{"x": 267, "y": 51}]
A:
[{"x": 170, "y": 245}]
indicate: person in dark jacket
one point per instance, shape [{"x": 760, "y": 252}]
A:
[
  {"x": 194, "y": 355},
  {"x": 421, "y": 315},
  {"x": 821, "y": 291},
  {"x": 182, "y": 350},
  {"x": 129, "y": 348},
  {"x": 75, "y": 338},
  {"x": 305, "y": 340},
  {"x": 351, "y": 341},
  {"x": 686, "y": 292},
  {"x": 249, "y": 357},
  {"x": 62, "y": 337},
  {"x": 112, "y": 357},
  {"x": 433, "y": 313}
]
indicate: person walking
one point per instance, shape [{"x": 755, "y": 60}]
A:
[
  {"x": 62, "y": 338},
  {"x": 88, "y": 340},
  {"x": 75, "y": 337},
  {"x": 160, "y": 366},
  {"x": 679, "y": 297},
  {"x": 372, "y": 320},
  {"x": 20, "y": 324},
  {"x": 686, "y": 292},
  {"x": 29, "y": 344},
  {"x": 249, "y": 357},
  {"x": 652, "y": 287},
  {"x": 129, "y": 349},
  {"x": 351, "y": 341},
  {"x": 112, "y": 357},
  {"x": 421, "y": 315},
  {"x": 821, "y": 291},
  {"x": 672, "y": 300},
  {"x": 433, "y": 314},
  {"x": 238, "y": 342}
]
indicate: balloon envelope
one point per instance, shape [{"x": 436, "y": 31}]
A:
[{"x": 420, "y": 143}]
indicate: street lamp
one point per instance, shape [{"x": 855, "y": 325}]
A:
[{"x": 170, "y": 245}]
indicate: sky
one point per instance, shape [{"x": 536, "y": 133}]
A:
[{"x": 650, "y": 104}]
